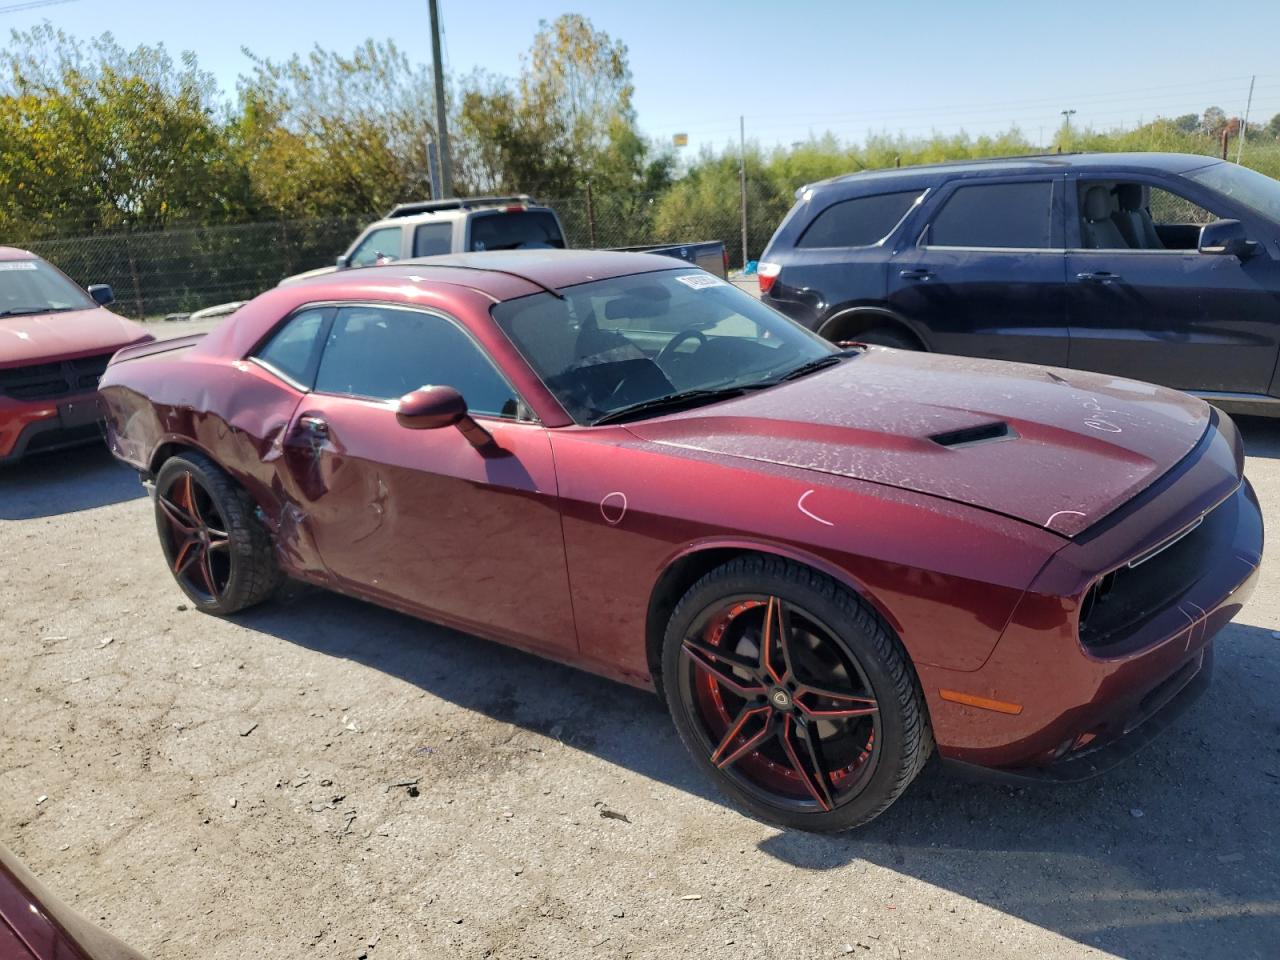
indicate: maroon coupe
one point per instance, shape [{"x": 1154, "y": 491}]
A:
[{"x": 826, "y": 560}]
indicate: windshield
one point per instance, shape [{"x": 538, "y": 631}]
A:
[
  {"x": 1247, "y": 187},
  {"x": 33, "y": 286},
  {"x": 616, "y": 343}
]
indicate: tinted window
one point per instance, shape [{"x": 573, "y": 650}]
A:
[
  {"x": 995, "y": 215},
  {"x": 293, "y": 349},
  {"x": 527, "y": 230},
  {"x": 860, "y": 222},
  {"x": 433, "y": 239},
  {"x": 1258, "y": 192},
  {"x": 383, "y": 244},
  {"x": 381, "y": 353}
]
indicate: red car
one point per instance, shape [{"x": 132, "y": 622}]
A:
[
  {"x": 55, "y": 341},
  {"x": 35, "y": 925},
  {"x": 826, "y": 560}
]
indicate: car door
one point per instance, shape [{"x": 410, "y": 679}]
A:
[
  {"x": 1168, "y": 313},
  {"x": 986, "y": 276},
  {"x": 421, "y": 519}
]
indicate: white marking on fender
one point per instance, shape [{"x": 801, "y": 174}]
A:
[
  {"x": 812, "y": 516},
  {"x": 1074, "y": 513},
  {"x": 615, "y": 501}
]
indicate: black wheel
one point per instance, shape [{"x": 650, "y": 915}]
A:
[
  {"x": 219, "y": 553},
  {"x": 793, "y": 695},
  {"x": 888, "y": 337}
]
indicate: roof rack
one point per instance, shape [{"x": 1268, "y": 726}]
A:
[{"x": 455, "y": 203}]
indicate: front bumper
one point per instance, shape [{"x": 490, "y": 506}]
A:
[
  {"x": 1082, "y": 712},
  {"x": 35, "y": 426}
]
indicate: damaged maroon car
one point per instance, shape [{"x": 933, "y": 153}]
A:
[{"x": 827, "y": 560}]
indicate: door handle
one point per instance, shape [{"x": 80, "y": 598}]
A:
[
  {"x": 316, "y": 426},
  {"x": 915, "y": 273},
  {"x": 1101, "y": 276}
]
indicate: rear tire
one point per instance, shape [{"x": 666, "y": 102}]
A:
[
  {"x": 888, "y": 337},
  {"x": 218, "y": 552},
  {"x": 824, "y": 732}
]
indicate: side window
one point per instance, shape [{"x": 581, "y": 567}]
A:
[
  {"x": 1169, "y": 208},
  {"x": 382, "y": 244},
  {"x": 433, "y": 239},
  {"x": 383, "y": 353},
  {"x": 293, "y": 350},
  {"x": 996, "y": 215},
  {"x": 1130, "y": 215},
  {"x": 861, "y": 222}
]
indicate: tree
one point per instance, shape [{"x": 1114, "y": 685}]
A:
[
  {"x": 332, "y": 134},
  {"x": 1188, "y": 122},
  {"x": 1273, "y": 126},
  {"x": 567, "y": 119},
  {"x": 95, "y": 137},
  {"x": 1213, "y": 121}
]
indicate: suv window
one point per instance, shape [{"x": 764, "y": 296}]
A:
[
  {"x": 523, "y": 230},
  {"x": 860, "y": 222},
  {"x": 295, "y": 347},
  {"x": 995, "y": 215},
  {"x": 382, "y": 244},
  {"x": 433, "y": 239},
  {"x": 383, "y": 353}
]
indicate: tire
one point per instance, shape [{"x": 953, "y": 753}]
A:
[
  {"x": 218, "y": 552},
  {"x": 868, "y": 725},
  {"x": 888, "y": 337}
]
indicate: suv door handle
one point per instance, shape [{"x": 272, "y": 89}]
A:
[
  {"x": 1101, "y": 276},
  {"x": 316, "y": 426},
  {"x": 916, "y": 273}
]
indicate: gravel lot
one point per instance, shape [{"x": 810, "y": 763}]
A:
[{"x": 228, "y": 789}]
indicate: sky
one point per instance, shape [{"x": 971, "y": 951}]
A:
[{"x": 793, "y": 68}]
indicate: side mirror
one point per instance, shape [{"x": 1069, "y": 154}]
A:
[
  {"x": 343, "y": 261},
  {"x": 102, "y": 294},
  {"x": 1226, "y": 237},
  {"x": 430, "y": 408}
]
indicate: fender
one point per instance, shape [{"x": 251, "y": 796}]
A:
[{"x": 846, "y": 313}]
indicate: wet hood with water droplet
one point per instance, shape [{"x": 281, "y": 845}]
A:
[{"x": 1079, "y": 445}]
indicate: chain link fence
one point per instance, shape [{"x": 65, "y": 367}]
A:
[{"x": 184, "y": 269}]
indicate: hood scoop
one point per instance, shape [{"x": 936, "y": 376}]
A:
[{"x": 973, "y": 436}]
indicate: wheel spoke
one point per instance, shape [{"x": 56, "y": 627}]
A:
[
  {"x": 815, "y": 777},
  {"x": 188, "y": 552},
  {"x": 821, "y": 769},
  {"x": 722, "y": 674},
  {"x": 189, "y": 494},
  {"x": 721, "y": 654},
  {"x": 176, "y": 515},
  {"x": 206, "y": 573},
  {"x": 721, "y": 757},
  {"x": 773, "y": 622},
  {"x": 846, "y": 705}
]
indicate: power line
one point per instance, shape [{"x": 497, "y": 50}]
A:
[{"x": 32, "y": 5}]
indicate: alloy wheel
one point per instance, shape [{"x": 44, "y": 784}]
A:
[
  {"x": 780, "y": 705},
  {"x": 197, "y": 546}
]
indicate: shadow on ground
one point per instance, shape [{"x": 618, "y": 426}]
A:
[
  {"x": 1175, "y": 854},
  {"x": 1261, "y": 436},
  {"x": 48, "y": 484}
]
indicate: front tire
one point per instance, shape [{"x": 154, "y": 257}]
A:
[
  {"x": 793, "y": 695},
  {"x": 217, "y": 551}
]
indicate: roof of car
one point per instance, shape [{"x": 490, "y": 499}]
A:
[
  {"x": 1036, "y": 163},
  {"x": 507, "y": 274},
  {"x": 15, "y": 253}
]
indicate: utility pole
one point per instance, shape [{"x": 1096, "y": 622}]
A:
[
  {"x": 1244, "y": 126},
  {"x": 1066, "y": 125},
  {"x": 442, "y": 126},
  {"x": 742, "y": 182}
]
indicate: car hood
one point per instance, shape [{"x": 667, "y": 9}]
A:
[
  {"x": 40, "y": 337},
  {"x": 1056, "y": 448}
]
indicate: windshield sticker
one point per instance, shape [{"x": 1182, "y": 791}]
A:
[
  {"x": 17, "y": 265},
  {"x": 699, "y": 281}
]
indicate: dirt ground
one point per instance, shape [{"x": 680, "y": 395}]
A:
[{"x": 232, "y": 789}]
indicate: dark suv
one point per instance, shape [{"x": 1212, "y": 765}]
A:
[{"x": 1159, "y": 267}]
